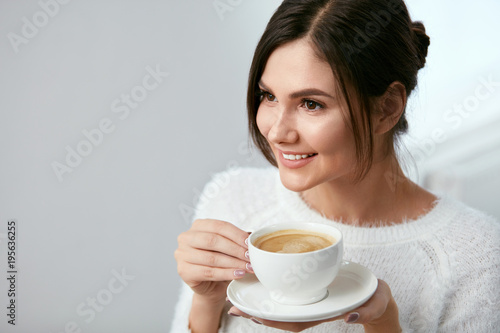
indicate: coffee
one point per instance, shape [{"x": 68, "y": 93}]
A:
[
  {"x": 293, "y": 241},
  {"x": 315, "y": 248}
]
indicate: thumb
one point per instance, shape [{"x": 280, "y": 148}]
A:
[
  {"x": 373, "y": 309},
  {"x": 365, "y": 315}
]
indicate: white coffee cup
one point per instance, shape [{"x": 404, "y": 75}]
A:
[{"x": 297, "y": 278}]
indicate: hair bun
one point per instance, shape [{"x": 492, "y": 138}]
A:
[{"x": 422, "y": 41}]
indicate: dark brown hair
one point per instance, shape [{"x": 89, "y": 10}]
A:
[{"x": 369, "y": 44}]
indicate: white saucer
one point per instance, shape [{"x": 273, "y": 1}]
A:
[{"x": 352, "y": 287}]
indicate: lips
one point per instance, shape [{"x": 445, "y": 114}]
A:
[
  {"x": 294, "y": 157},
  {"x": 294, "y": 160}
]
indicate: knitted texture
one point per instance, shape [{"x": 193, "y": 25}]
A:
[{"x": 443, "y": 268}]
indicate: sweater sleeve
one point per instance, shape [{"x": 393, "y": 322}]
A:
[
  {"x": 475, "y": 301},
  {"x": 180, "y": 323}
]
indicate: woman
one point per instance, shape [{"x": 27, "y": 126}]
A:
[{"x": 326, "y": 103}]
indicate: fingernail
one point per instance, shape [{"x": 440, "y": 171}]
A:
[
  {"x": 352, "y": 318},
  {"x": 246, "y": 241},
  {"x": 233, "y": 314},
  {"x": 249, "y": 266},
  {"x": 227, "y": 299},
  {"x": 239, "y": 272},
  {"x": 256, "y": 321},
  {"x": 247, "y": 255}
]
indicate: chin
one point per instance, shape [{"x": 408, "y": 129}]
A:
[{"x": 294, "y": 182}]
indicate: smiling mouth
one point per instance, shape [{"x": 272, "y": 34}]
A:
[{"x": 292, "y": 157}]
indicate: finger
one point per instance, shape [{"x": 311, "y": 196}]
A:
[
  {"x": 223, "y": 228},
  {"x": 214, "y": 242},
  {"x": 287, "y": 326},
  {"x": 198, "y": 273},
  {"x": 212, "y": 259},
  {"x": 374, "y": 308},
  {"x": 235, "y": 311}
]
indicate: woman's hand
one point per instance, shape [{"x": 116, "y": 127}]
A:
[
  {"x": 378, "y": 314},
  {"x": 209, "y": 256}
]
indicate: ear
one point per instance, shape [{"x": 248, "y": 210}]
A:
[{"x": 390, "y": 107}]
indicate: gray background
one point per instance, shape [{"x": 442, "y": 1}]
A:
[{"x": 122, "y": 207}]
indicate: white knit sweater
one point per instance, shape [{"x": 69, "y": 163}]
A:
[{"x": 443, "y": 268}]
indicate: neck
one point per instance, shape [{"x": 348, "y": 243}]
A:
[{"x": 384, "y": 196}]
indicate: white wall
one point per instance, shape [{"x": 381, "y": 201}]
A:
[
  {"x": 455, "y": 115},
  {"x": 122, "y": 206}
]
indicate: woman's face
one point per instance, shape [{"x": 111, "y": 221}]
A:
[{"x": 301, "y": 117}]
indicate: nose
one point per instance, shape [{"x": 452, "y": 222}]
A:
[{"x": 283, "y": 129}]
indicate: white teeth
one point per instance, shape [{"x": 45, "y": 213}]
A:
[{"x": 296, "y": 157}]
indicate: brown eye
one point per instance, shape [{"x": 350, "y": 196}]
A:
[
  {"x": 312, "y": 105},
  {"x": 270, "y": 97}
]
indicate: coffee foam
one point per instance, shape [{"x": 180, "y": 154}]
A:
[{"x": 293, "y": 241}]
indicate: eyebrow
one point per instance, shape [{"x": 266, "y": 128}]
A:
[{"x": 301, "y": 93}]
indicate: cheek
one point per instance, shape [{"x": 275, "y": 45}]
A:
[{"x": 330, "y": 137}]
